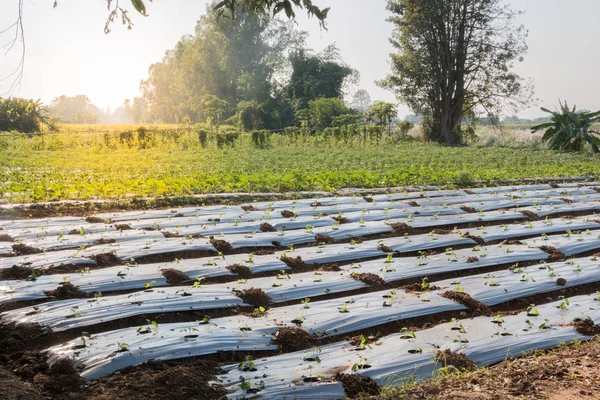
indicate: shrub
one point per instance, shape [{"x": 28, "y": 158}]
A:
[
  {"x": 227, "y": 139},
  {"x": 430, "y": 129},
  {"x": 570, "y": 130},
  {"x": 404, "y": 127},
  {"x": 21, "y": 115},
  {"x": 261, "y": 139}
]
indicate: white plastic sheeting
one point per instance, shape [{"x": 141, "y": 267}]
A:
[
  {"x": 509, "y": 231},
  {"x": 323, "y": 318},
  {"x": 502, "y": 204},
  {"x": 502, "y": 286},
  {"x": 409, "y": 244},
  {"x": 76, "y": 241},
  {"x": 76, "y": 313},
  {"x": 549, "y": 210},
  {"x": 398, "y": 358},
  {"x": 569, "y": 243},
  {"x": 397, "y": 269},
  {"x": 134, "y": 276},
  {"x": 108, "y": 352}
]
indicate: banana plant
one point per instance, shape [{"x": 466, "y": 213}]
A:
[{"x": 570, "y": 130}]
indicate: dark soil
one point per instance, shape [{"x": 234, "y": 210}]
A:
[
  {"x": 296, "y": 264},
  {"x": 368, "y": 199},
  {"x": 255, "y": 297},
  {"x": 476, "y": 239},
  {"x": 287, "y": 214},
  {"x": 400, "y": 228},
  {"x": 67, "y": 291},
  {"x": 123, "y": 227},
  {"x": 168, "y": 234},
  {"x": 561, "y": 281},
  {"x": 555, "y": 254},
  {"x": 6, "y": 238},
  {"x": 241, "y": 270},
  {"x": 511, "y": 241},
  {"x": 568, "y": 373},
  {"x": 104, "y": 241},
  {"x": 320, "y": 238},
  {"x": 358, "y": 385},
  {"x": 418, "y": 287},
  {"x": 174, "y": 276},
  {"x": 413, "y": 203},
  {"x": 14, "y": 338},
  {"x": 369, "y": 279},
  {"x": 266, "y": 227},
  {"x": 457, "y": 360},
  {"x": 16, "y": 273},
  {"x": 95, "y": 220},
  {"x": 106, "y": 260},
  {"x": 529, "y": 214},
  {"x": 23, "y": 250},
  {"x": 469, "y": 209},
  {"x": 477, "y": 308},
  {"x": 222, "y": 246},
  {"x": 384, "y": 248},
  {"x": 13, "y": 388},
  {"x": 61, "y": 379},
  {"x": 586, "y": 327},
  {"x": 290, "y": 339},
  {"x": 341, "y": 220},
  {"x": 249, "y": 207},
  {"x": 472, "y": 259}
]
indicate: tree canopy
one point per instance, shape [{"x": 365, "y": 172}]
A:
[
  {"x": 456, "y": 57},
  {"x": 257, "y": 69}
]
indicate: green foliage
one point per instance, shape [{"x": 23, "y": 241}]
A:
[
  {"x": 430, "y": 129},
  {"x": 404, "y": 127},
  {"x": 229, "y": 8},
  {"x": 227, "y": 138},
  {"x": 456, "y": 56},
  {"x": 77, "y": 109},
  {"x": 570, "y": 130},
  {"x": 382, "y": 113},
  {"x": 116, "y": 165},
  {"x": 21, "y": 115},
  {"x": 202, "y": 135},
  {"x": 249, "y": 115},
  {"x": 317, "y": 75},
  {"x": 261, "y": 139},
  {"x": 324, "y": 111}
]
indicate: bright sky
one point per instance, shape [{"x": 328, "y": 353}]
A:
[{"x": 68, "y": 52}]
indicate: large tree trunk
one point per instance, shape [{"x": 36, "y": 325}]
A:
[{"x": 449, "y": 121}]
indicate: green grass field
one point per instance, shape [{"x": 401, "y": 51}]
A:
[{"x": 87, "y": 165}]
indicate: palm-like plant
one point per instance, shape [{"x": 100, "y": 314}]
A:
[{"x": 570, "y": 130}]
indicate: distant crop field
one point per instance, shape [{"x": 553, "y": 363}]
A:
[{"x": 112, "y": 162}]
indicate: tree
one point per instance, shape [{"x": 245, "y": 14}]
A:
[
  {"x": 225, "y": 8},
  {"x": 67, "y": 108},
  {"x": 324, "y": 112},
  {"x": 236, "y": 60},
  {"x": 383, "y": 113},
  {"x": 21, "y": 115},
  {"x": 361, "y": 101},
  {"x": 249, "y": 114},
  {"x": 214, "y": 109},
  {"x": 317, "y": 75},
  {"x": 266, "y": 7},
  {"x": 456, "y": 56}
]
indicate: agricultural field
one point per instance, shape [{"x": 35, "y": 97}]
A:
[
  {"x": 116, "y": 162},
  {"x": 318, "y": 297}
]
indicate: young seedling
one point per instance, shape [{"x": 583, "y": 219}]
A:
[
  {"x": 532, "y": 311},
  {"x": 305, "y": 303}
]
